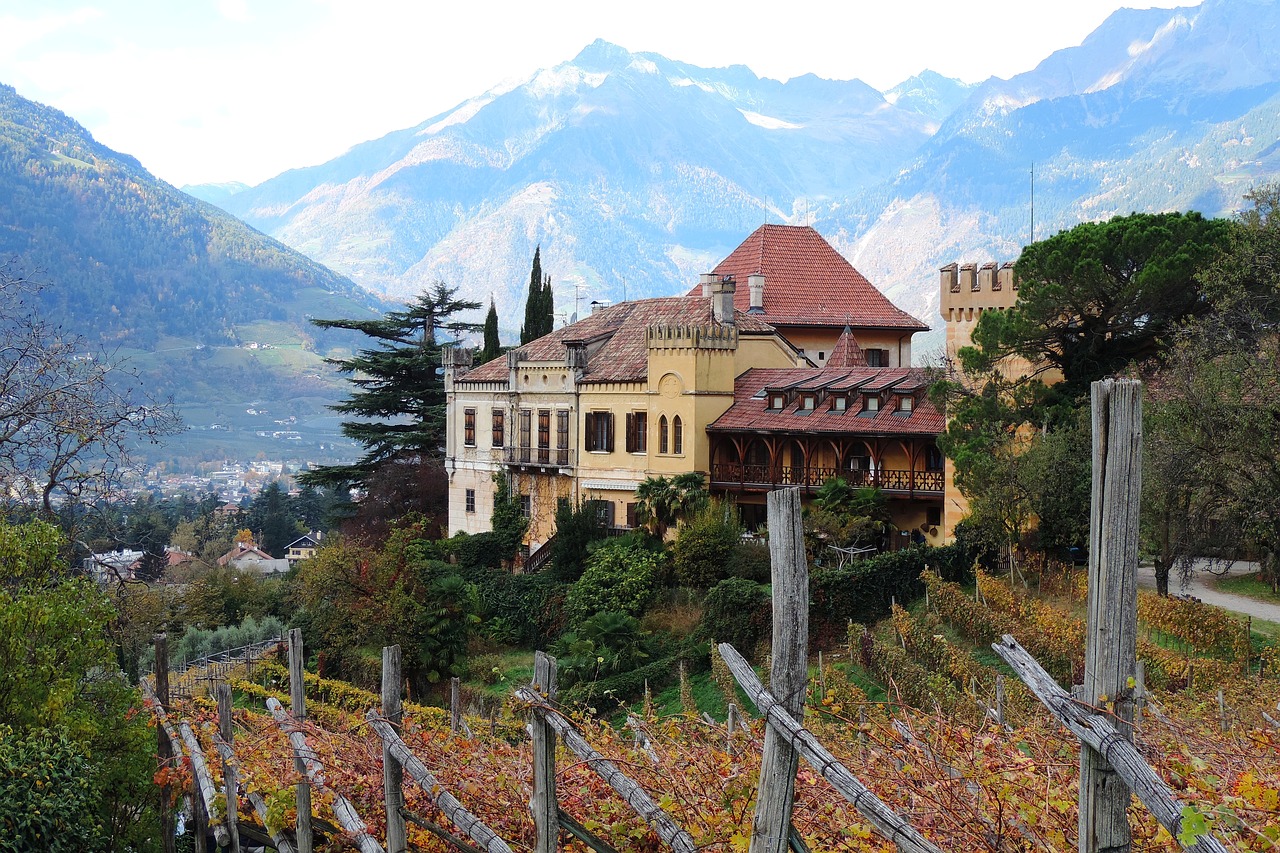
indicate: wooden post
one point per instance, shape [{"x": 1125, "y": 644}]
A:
[
  {"x": 455, "y": 704},
  {"x": 298, "y": 699},
  {"x": 1111, "y": 635},
  {"x": 1223, "y": 723},
  {"x": 731, "y": 724},
  {"x": 164, "y": 748},
  {"x": 230, "y": 786},
  {"x": 392, "y": 772},
  {"x": 546, "y": 811},
  {"x": 999, "y": 700},
  {"x": 788, "y": 674},
  {"x": 1139, "y": 692},
  {"x": 199, "y": 819}
]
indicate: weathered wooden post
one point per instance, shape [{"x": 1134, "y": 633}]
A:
[
  {"x": 731, "y": 725},
  {"x": 230, "y": 785},
  {"x": 1111, "y": 636},
  {"x": 298, "y": 699},
  {"x": 788, "y": 674},
  {"x": 1139, "y": 692},
  {"x": 392, "y": 772},
  {"x": 455, "y": 704},
  {"x": 999, "y": 700},
  {"x": 164, "y": 749},
  {"x": 546, "y": 810}
]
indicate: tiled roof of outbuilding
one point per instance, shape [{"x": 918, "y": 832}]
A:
[
  {"x": 808, "y": 283},
  {"x": 750, "y": 412}
]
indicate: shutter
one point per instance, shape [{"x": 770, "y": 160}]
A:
[
  {"x": 590, "y": 425},
  {"x": 631, "y": 432},
  {"x": 608, "y": 430},
  {"x": 631, "y": 515}
]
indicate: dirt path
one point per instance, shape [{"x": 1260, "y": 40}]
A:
[{"x": 1209, "y": 595}]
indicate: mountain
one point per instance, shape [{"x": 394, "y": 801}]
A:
[
  {"x": 1158, "y": 109},
  {"x": 208, "y": 309},
  {"x": 214, "y": 193},
  {"x": 634, "y": 173}
]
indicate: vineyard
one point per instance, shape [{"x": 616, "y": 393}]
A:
[{"x": 960, "y": 748}]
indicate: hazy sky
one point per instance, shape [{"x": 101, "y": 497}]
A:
[{"x": 220, "y": 90}]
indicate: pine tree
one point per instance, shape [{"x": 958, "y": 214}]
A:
[
  {"x": 399, "y": 397},
  {"x": 538, "y": 306},
  {"x": 492, "y": 345}
]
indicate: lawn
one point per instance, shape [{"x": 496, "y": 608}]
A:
[{"x": 1249, "y": 585}]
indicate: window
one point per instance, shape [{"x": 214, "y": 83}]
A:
[
  {"x": 839, "y": 404},
  {"x": 526, "y": 425},
  {"x": 526, "y": 506},
  {"x": 471, "y": 500},
  {"x": 933, "y": 460},
  {"x": 933, "y": 516},
  {"x": 499, "y": 427},
  {"x": 906, "y": 403},
  {"x": 469, "y": 427},
  {"x": 603, "y": 511},
  {"x": 637, "y": 432},
  {"x": 807, "y": 402},
  {"x": 599, "y": 429},
  {"x": 822, "y": 356},
  {"x": 870, "y": 405},
  {"x": 776, "y": 401},
  {"x": 877, "y": 357},
  {"x": 677, "y": 436},
  {"x": 562, "y": 429},
  {"x": 544, "y": 435},
  {"x": 664, "y": 434}
]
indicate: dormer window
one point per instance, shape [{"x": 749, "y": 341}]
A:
[
  {"x": 870, "y": 406},
  {"x": 808, "y": 402},
  {"x": 906, "y": 403},
  {"x": 839, "y": 404},
  {"x": 776, "y": 401}
]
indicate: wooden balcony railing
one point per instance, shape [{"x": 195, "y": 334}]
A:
[{"x": 759, "y": 477}]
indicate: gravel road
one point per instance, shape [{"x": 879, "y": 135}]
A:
[{"x": 1197, "y": 587}]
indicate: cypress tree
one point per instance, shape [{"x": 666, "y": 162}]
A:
[
  {"x": 533, "y": 303},
  {"x": 492, "y": 346},
  {"x": 548, "y": 307}
]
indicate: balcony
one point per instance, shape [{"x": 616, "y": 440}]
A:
[
  {"x": 538, "y": 457},
  {"x": 737, "y": 476}
]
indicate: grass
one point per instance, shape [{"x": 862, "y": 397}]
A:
[{"x": 1250, "y": 586}]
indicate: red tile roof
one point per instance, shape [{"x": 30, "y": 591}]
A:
[
  {"x": 618, "y": 339},
  {"x": 750, "y": 412},
  {"x": 808, "y": 283},
  {"x": 847, "y": 352}
]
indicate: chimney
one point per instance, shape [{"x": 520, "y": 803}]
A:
[
  {"x": 456, "y": 360},
  {"x": 722, "y": 300},
  {"x": 706, "y": 280},
  {"x": 755, "y": 282}
]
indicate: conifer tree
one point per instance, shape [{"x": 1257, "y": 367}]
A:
[
  {"x": 538, "y": 306},
  {"x": 492, "y": 345},
  {"x": 399, "y": 397}
]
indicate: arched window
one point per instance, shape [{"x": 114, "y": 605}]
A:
[
  {"x": 664, "y": 434},
  {"x": 677, "y": 443}
]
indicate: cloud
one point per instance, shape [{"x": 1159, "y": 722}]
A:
[
  {"x": 235, "y": 10},
  {"x": 23, "y": 32}
]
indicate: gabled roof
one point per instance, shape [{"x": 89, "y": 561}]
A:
[
  {"x": 847, "y": 352},
  {"x": 750, "y": 411},
  {"x": 620, "y": 333},
  {"x": 808, "y": 283},
  {"x": 304, "y": 541}
]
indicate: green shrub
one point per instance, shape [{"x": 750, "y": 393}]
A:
[
  {"x": 519, "y": 610},
  {"x": 576, "y": 528},
  {"x": 736, "y": 611},
  {"x": 750, "y": 561},
  {"x": 620, "y": 576},
  {"x": 701, "y": 552}
]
